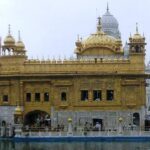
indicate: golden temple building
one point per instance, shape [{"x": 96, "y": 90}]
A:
[{"x": 105, "y": 82}]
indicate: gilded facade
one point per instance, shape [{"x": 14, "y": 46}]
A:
[{"x": 101, "y": 84}]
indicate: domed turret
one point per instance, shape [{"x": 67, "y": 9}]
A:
[
  {"x": 9, "y": 40},
  {"x": 18, "y": 115},
  {"x": 137, "y": 42},
  {"x": 20, "y": 47},
  {"x": 19, "y": 44},
  {"x": 110, "y": 24},
  {"x": 136, "y": 37},
  {"x": 12, "y": 48},
  {"x": 18, "y": 110}
]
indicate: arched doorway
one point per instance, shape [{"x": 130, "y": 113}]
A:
[
  {"x": 136, "y": 119},
  {"x": 3, "y": 123},
  {"x": 37, "y": 118}
]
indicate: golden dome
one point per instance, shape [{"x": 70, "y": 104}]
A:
[
  {"x": 9, "y": 39},
  {"x": 120, "y": 119},
  {"x": 18, "y": 111},
  {"x": 69, "y": 120},
  {"x": 137, "y": 36},
  {"x": 99, "y": 39},
  {"x": 20, "y": 45}
]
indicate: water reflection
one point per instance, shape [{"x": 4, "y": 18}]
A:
[{"x": 6, "y": 145}]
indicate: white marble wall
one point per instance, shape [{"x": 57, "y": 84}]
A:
[
  {"x": 7, "y": 114},
  {"x": 110, "y": 118},
  {"x": 147, "y": 71}
]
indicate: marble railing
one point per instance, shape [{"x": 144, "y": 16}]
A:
[{"x": 9, "y": 132}]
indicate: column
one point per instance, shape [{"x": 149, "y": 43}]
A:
[
  {"x": 90, "y": 95},
  {"x": 70, "y": 132},
  {"x": 21, "y": 93}
]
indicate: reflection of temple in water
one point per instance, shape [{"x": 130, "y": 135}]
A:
[{"x": 73, "y": 145}]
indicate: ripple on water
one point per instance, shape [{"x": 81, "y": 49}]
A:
[{"x": 8, "y": 145}]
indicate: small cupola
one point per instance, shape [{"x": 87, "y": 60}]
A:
[
  {"x": 9, "y": 40},
  {"x": 137, "y": 42},
  {"x": 19, "y": 44}
]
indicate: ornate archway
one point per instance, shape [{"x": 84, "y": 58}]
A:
[{"x": 37, "y": 118}]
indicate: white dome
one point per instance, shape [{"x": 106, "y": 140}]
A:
[
  {"x": 110, "y": 25},
  {"x": 109, "y": 21}
]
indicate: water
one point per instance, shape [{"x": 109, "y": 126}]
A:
[{"x": 6, "y": 145}]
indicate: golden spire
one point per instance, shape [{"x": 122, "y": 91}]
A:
[
  {"x": 19, "y": 37},
  {"x": 9, "y": 39},
  {"x": 20, "y": 45},
  {"x": 9, "y": 30}
]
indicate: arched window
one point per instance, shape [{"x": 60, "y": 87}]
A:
[
  {"x": 3, "y": 123},
  {"x": 63, "y": 96},
  {"x": 84, "y": 95},
  {"x": 46, "y": 96},
  {"x": 137, "y": 48}
]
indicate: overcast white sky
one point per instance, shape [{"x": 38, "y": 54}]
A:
[{"x": 50, "y": 27}]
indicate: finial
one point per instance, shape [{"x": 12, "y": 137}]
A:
[
  {"x": 96, "y": 12},
  {"x": 130, "y": 35},
  {"x": 78, "y": 38},
  {"x": 137, "y": 28},
  {"x": 9, "y": 30},
  {"x": 107, "y": 7},
  {"x": 99, "y": 25},
  {"x": 19, "y": 37},
  {"x": 143, "y": 34}
]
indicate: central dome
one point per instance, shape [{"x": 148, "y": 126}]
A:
[{"x": 99, "y": 39}]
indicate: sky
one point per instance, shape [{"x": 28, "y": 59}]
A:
[{"x": 49, "y": 28}]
